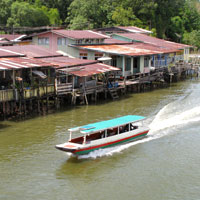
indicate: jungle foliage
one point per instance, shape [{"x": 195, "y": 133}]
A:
[{"x": 178, "y": 20}]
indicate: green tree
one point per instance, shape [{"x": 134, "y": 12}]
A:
[
  {"x": 176, "y": 29},
  {"x": 88, "y": 11},
  {"x": 125, "y": 17},
  {"x": 165, "y": 10},
  {"x": 4, "y": 11},
  {"x": 25, "y": 14},
  {"x": 143, "y": 10},
  {"x": 52, "y": 14},
  {"x": 190, "y": 16},
  {"x": 192, "y": 38},
  {"x": 61, "y": 5}
]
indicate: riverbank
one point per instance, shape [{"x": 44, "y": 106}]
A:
[{"x": 27, "y": 106}]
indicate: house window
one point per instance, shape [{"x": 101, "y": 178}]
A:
[
  {"x": 146, "y": 62},
  {"x": 43, "y": 41},
  {"x": 62, "y": 41},
  {"x": 79, "y": 41},
  {"x": 88, "y": 41},
  {"x": 83, "y": 56},
  {"x": 128, "y": 64},
  {"x": 97, "y": 55},
  {"x": 114, "y": 61}
]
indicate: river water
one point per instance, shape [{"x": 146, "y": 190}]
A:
[{"x": 165, "y": 165}]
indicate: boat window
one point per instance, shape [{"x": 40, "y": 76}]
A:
[
  {"x": 133, "y": 127},
  {"x": 111, "y": 132}
]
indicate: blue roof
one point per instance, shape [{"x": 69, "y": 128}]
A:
[{"x": 108, "y": 123}]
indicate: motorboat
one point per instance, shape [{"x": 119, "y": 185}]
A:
[{"x": 104, "y": 134}]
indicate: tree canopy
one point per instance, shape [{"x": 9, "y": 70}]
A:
[{"x": 178, "y": 20}]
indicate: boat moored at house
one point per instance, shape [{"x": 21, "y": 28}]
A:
[{"x": 105, "y": 134}]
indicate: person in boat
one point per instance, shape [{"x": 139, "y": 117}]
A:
[
  {"x": 132, "y": 127},
  {"x": 112, "y": 132}
]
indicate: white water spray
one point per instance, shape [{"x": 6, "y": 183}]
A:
[{"x": 179, "y": 113}]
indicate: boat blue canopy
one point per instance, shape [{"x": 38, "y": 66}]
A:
[{"x": 103, "y": 125}]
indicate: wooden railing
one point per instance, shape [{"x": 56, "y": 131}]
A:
[
  {"x": 7, "y": 95},
  {"x": 16, "y": 94},
  {"x": 64, "y": 88},
  {"x": 91, "y": 89}
]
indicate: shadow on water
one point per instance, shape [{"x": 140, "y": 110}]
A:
[
  {"x": 50, "y": 112},
  {"x": 2, "y": 126}
]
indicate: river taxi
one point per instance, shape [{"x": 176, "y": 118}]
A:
[{"x": 104, "y": 134}]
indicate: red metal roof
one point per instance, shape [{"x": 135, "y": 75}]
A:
[
  {"x": 21, "y": 62},
  {"x": 153, "y": 47},
  {"x": 80, "y": 34},
  {"x": 64, "y": 61},
  {"x": 11, "y": 37},
  {"x": 89, "y": 70},
  {"x": 152, "y": 40},
  {"x": 127, "y": 49},
  {"x": 32, "y": 51},
  {"x": 5, "y": 52}
]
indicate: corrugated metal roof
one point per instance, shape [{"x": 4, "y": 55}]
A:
[
  {"x": 153, "y": 47},
  {"x": 32, "y": 51},
  {"x": 134, "y": 29},
  {"x": 64, "y": 61},
  {"x": 152, "y": 40},
  {"x": 80, "y": 34},
  {"x": 11, "y": 37},
  {"x": 122, "y": 49},
  {"x": 5, "y": 52},
  {"x": 89, "y": 70},
  {"x": 21, "y": 62}
]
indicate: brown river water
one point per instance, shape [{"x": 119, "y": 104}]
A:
[{"x": 163, "y": 166}]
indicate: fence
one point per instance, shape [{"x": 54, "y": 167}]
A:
[{"x": 15, "y": 94}]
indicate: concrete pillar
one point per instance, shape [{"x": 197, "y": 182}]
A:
[
  {"x": 141, "y": 64},
  {"x": 132, "y": 65}
]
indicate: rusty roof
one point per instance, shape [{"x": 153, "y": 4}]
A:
[
  {"x": 153, "y": 47},
  {"x": 31, "y": 51},
  {"x": 129, "y": 50},
  {"x": 5, "y": 52},
  {"x": 21, "y": 63},
  {"x": 64, "y": 61},
  {"x": 152, "y": 40},
  {"x": 80, "y": 34},
  {"x": 89, "y": 70}
]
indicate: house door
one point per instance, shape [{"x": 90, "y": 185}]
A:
[
  {"x": 136, "y": 65},
  {"x": 114, "y": 61}
]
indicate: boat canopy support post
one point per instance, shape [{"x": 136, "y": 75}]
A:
[
  {"x": 70, "y": 136},
  {"x": 105, "y": 133},
  {"x": 84, "y": 139}
]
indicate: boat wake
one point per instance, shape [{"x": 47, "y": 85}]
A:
[{"x": 184, "y": 111}]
